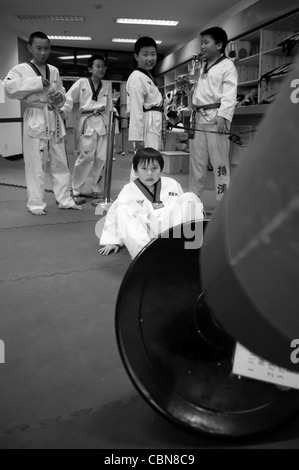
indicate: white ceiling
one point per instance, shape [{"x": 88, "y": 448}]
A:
[{"x": 100, "y": 23}]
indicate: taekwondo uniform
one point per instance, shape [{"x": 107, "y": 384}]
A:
[
  {"x": 137, "y": 216},
  {"x": 95, "y": 106},
  {"x": 145, "y": 108},
  {"x": 215, "y": 94},
  {"x": 44, "y": 134}
]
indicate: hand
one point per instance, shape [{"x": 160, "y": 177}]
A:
[
  {"x": 107, "y": 249},
  {"x": 221, "y": 124},
  {"x": 46, "y": 83},
  {"x": 56, "y": 99}
]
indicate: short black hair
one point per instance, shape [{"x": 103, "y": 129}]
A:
[
  {"x": 144, "y": 41},
  {"x": 93, "y": 58},
  {"x": 147, "y": 155},
  {"x": 218, "y": 34},
  {"x": 38, "y": 35}
]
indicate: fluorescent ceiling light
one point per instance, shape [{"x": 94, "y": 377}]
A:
[
  {"x": 130, "y": 41},
  {"x": 72, "y": 38},
  {"x": 70, "y": 57},
  {"x": 147, "y": 22},
  {"x": 51, "y": 18}
]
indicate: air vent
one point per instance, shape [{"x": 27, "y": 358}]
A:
[{"x": 50, "y": 18}]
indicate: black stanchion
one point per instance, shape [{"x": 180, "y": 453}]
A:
[{"x": 105, "y": 202}]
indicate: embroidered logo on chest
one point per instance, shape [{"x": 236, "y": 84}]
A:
[
  {"x": 173, "y": 194},
  {"x": 140, "y": 202}
]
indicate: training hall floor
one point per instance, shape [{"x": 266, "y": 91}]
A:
[{"x": 63, "y": 384}]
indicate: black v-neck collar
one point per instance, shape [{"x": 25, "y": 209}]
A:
[
  {"x": 153, "y": 198},
  {"x": 38, "y": 72},
  {"x": 206, "y": 68},
  {"x": 148, "y": 74},
  {"x": 95, "y": 92}
]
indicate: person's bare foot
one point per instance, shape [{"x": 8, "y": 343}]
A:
[
  {"x": 38, "y": 212},
  {"x": 75, "y": 207}
]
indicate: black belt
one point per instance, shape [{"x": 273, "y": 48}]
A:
[
  {"x": 154, "y": 108},
  {"x": 92, "y": 112},
  {"x": 208, "y": 106}
]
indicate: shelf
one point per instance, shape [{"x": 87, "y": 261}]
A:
[
  {"x": 275, "y": 51},
  {"x": 256, "y": 109},
  {"x": 251, "y": 60}
]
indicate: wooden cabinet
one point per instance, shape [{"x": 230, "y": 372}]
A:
[
  {"x": 260, "y": 53},
  {"x": 257, "y": 53}
]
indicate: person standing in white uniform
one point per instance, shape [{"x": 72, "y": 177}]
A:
[
  {"x": 147, "y": 207},
  {"x": 95, "y": 101},
  {"x": 214, "y": 101},
  {"x": 144, "y": 100},
  {"x": 39, "y": 85}
]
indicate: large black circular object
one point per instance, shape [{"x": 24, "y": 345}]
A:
[
  {"x": 253, "y": 239},
  {"x": 179, "y": 358}
]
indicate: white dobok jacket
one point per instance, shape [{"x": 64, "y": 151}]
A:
[
  {"x": 219, "y": 85},
  {"x": 133, "y": 219},
  {"x": 143, "y": 93},
  {"x": 41, "y": 116},
  {"x": 95, "y": 114}
]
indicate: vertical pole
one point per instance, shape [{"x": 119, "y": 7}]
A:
[
  {"x": 123, "y": 140},
  {"x": 109, "y": 159}
]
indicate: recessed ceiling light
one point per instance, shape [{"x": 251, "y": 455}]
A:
[
  {"x": 147, "y": 22},
  {"x": 132, "y": 41},
  {"x": 51, "y": 17},
  {"x": 72, "y": 38},
  {"x": 70, "y": 57}
]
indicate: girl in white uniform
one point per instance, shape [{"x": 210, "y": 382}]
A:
[
  {"x": 95, "y": 100},
  {"x": 39, "y": 85},
  {"x": 144, "y": 100},
  {"x": 147, "y": 207},
  {"x": 214, "y": 101}
]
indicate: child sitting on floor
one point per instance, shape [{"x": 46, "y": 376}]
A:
[{"x": 147, "y": 207}]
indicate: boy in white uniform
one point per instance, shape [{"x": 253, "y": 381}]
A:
[
  {"x": 144, "y": 100},
  {"x": 39, "y": 85},
  {"x": 95, "y": 100},
  {"x": 214, "y": 101},
  {"x": 147, "y": 207}
]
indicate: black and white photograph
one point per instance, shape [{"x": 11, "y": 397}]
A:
[{"x": 149, "y": 227}]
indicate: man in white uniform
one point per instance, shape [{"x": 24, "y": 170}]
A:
[
  {"x": 147, "y": 207},
  {"x": 39, "y": 85},
  {"x": 214, "y": 101},
  {"x": 144, "y": 100},
  {"x": 95, "y": 100}
]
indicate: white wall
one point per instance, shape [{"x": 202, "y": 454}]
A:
[{"x": 10, "y": 133}]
